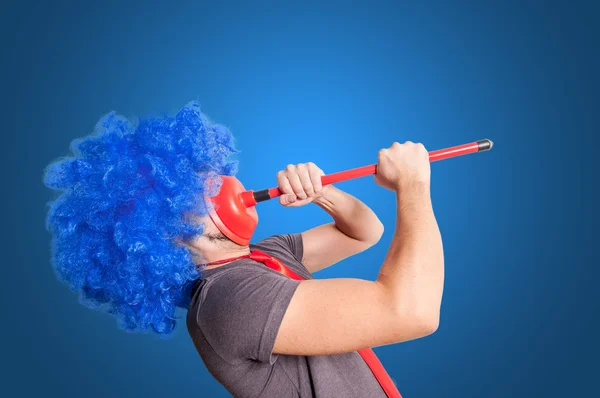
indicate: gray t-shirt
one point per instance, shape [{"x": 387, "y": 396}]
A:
[{"x": 233, "y": 320}]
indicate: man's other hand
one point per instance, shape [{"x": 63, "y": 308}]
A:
[{"x": 300, "y": 184}]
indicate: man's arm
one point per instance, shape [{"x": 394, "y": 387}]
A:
[
  {"x": 341, "y": 315},
  {"x": 355, "y": 229}
]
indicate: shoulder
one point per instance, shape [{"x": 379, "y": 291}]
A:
[
  {"x": 225, "y": 281},
  {"x": 290, "y": 244},
  {"x": 238, "y": 310},
  {"x": 236, "y": 287}
]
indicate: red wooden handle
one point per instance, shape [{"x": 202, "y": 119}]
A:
[{"x": 440, "y": 154}]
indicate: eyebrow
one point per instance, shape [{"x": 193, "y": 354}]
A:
[{"x": 213, "y": 237}]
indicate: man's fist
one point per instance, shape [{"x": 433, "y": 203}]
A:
[
  {"x": 403, "y": 165},
  {"x": 300, "y": 184}
]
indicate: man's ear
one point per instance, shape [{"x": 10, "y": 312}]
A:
[
  {"x": 197, "y": 258},
  {"x": 180, "y": 242}
]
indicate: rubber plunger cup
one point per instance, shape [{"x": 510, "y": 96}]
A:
[{"x": 230, "y": 214}]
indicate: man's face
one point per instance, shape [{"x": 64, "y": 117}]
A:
[
  {"x": 211, "y": 232},
  {"x": 211, "y": 239}
]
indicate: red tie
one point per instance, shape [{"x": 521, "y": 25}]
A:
[{"x": 367, "y": 354}]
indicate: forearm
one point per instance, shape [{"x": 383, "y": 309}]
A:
[
  {"x": 413, "y": 270},
  {"x": 351, "y": 216}
]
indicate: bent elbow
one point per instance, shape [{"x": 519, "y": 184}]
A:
[
  {"x": 429, "y": 324},
  {"x": 376, "y": 235},
  {"x": 380, "y": 230},
  {"x": 424, "y": 324}
]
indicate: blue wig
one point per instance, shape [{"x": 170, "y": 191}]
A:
[{"x": 127, "y": 196}]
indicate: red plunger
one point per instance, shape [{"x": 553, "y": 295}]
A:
[{"x": 234, "y": 214}]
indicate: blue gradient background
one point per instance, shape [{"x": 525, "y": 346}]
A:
[{"x": 332, "y": 84}]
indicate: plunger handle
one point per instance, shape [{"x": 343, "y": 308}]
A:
[{"x": 250, "y": 198}]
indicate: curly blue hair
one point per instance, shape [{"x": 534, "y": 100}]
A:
[{"x": 126, "y": 197}]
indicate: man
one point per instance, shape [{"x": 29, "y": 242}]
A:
[{"x": 261, "y": 333}]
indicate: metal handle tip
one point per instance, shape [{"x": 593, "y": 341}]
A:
[{"x": 485, "y": 145}]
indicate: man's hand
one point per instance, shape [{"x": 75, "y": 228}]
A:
[
  {"x": 300, "y": 184},
  {"x": 402, "y": 166}
]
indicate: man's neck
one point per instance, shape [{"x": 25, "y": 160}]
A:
[{"x": 224, "y": 253}]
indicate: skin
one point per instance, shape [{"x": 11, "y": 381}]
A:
[
  {"x": 212, "y": 245},
  {"x": 333, "y": 316}
]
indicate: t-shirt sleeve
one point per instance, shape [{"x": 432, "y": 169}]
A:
[
  {"x": 242, "y": 312},
  {"x": 294, "y": 241},
  {"x": 289, "y": 242}
]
